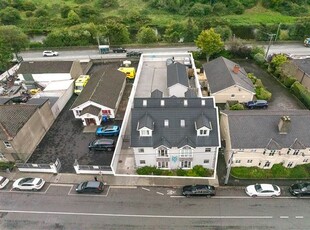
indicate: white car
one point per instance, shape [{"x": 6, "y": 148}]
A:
[
  {"x": 29, "y": 183},
  {"x": 49, "y": 53},
  {"x": 187, "y": 61},
  {"x": 3, "y": 182},
  {"x": 264, "y": 190}
]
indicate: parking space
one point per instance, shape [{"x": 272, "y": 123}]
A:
[{"x": 67, "y": 141}]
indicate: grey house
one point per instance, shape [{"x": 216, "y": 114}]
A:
[
  {"x": 227, "y": 81},
  {"x": 175, "y": 132}
]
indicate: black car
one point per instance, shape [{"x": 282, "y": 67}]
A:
[
  {"x": 300, "y": 189},
  {"x": 133, "y": 54},
  {"x": 198, "y": 190},
  {"x": 90, "y": 187},
  {"x": 119, "y": 50},
  {"x": 102, "y": 145},
  {"x": 257, "y": 104}
]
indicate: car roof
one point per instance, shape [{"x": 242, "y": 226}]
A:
[
  {"x": 267, "y": 186},
  {"x": 93, "y": 184},
  {"x": 105, "y": 141}
]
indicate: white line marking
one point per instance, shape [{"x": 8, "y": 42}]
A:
[
  {"x": 299, "y": 217},
  {"x": 160, "y": 193},
  {"x": 283, "y": 217},
  {"x": 119, "y": 186},
  {"x": 146, "y": 189},
  {"x": 141, "y": 216},
  {"x": 177, "y": 196}
]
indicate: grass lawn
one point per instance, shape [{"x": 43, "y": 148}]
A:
[{"x": 276, "y": 172}]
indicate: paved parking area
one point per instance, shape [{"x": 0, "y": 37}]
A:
[{"x": 67, "y": 141}]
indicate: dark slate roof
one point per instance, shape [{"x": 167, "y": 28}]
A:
[
  {"x": 13, "y": 118},
  {"x": 220, "y": 75},
  {"x": 37, "y": 101},
  {"x": 157, "y": 93},
  {"x": 37, "y": 67},
  {"x": 176, "y": 74},
  {"x": 190, "y": 93},
  {"x": 203, "y": 121},
  {"x": 92, "y": 110},
  {"x": 146, "y": 121},
  {"x": 303, "y": 64},
  {"x": 175, "y": 111},
  {"x": 103, "y": 88},
  {"x": 255, "y": 129}
]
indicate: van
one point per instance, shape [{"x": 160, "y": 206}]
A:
[
  {"x": 80, "y": 83},
  {"x": 129, "y": 71},
  {"x": 102, "y": 145}
]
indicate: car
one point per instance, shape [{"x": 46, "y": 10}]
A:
[
  {"x": 102, "y": 145},
  {"x": 3, "y": 181},
  {"x": 109, "y": 130},
  {"x": 263, "y": 190},
  {"x": 187, "y": 62},
  {"x": 50, "y": 53},
  {"x": 119, "y": 50},
  {"x": 169, "y": 61},
  {"x": 257, "y": 104},
  {"x": 198, "y": 190},
  {"x": 300, "y": 189},
  {"x": 29, "y": 183},
  {"x": 90, "y": 187},
  {"x": 133, "y": 54}
]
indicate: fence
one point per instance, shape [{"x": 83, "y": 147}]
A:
[{"x": 42, "y": 168}]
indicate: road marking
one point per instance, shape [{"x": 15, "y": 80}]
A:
[
  {"x": 160, "y": 193},
  {"x": 283, "y": 217},
  {"x": 119, "y": 186},
  {"x": 170, "y": 192},
  {"x": 146, "y": 189},
  {"x": 135, "y": 215},
  {"x": 92, "y": 195},
  {"x": 299, "y": 217}
]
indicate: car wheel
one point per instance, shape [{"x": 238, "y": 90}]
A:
[
  {"x": 109, "y": 149},
  {"x": 208, "y": 196},
  {"x": 17, "y": 189},
  {"x": 299, "y": 196},
  {"x": 187, "y": 195},
  {"x": 34, "y": 189},
  {"x": 254, "y": 196},
  {"x": 273, "y": 196}
]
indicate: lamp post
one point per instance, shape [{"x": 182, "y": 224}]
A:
[
  {"x": 277, "y": 34},
  {"x": 270, "y": 41}
]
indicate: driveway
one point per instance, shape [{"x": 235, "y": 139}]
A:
[
  {"x": 282, "y": 99},
  {"x": 67, "y": 141}
]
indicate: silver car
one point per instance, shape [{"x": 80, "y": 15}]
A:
[{"x": 49, "y": 53}]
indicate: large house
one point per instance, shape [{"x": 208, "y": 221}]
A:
[
  {"x": 22, "y": 126},
  {"x": 265, "y": 138},
  {"x": 175, "y": 132},
  {"x": 101, "y": 96},
  {"x": 227, "y": 81}
]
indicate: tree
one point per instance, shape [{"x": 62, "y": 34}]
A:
[
  {"x": 5, "y": 55},
  {"x": 9, "y": 16},
  {"x": 174, "y": 32},
  {"x": 146, "y": 35},
  {"x": 14, "y": 38},
  {"x": 117, "y": 33},
  {"x": 64, "y": 11},
  {"x": 73, "y": 18},
  {"x": 192, "y": 33},
  {"x": 209, "y": 42}
]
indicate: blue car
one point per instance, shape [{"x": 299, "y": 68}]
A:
[{"x": 110, "y": 130}]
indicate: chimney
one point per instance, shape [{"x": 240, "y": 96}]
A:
[
  {"x": 236, "y": 69},
  {"x": 284, "y": 124}
]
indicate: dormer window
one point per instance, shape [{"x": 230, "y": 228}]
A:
[
  {"x": 145, "y": 132},
  {"x": 162, "y": 152},
  {"x": 203, "y": 102},
  {"x": 166, "y": 123},
  {"x": 162, "y": 102},
  {"x": 203, "y": 131},
  {"x": 182, "y": 123},
  {"x": 144, "y": 103}
]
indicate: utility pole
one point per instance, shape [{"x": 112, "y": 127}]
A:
[
  {"x": 270, "y": 41},
  {"x": 277, "y": 34}
]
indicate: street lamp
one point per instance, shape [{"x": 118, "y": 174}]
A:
[
  {"x": 270, "y": 41},
  {"x": 277, "y": 34}
]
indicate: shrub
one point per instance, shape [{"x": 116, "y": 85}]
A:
[
  {"x": 181, "y": 172},
  {"x": 259, "y": 83},
  {"x": 259, "y": 58},
  {"x": 237, "y": 106},
  {"x": 149, "y": 170},
  {"x": 35, "y": 45},
  {"x": 301, "y": 93},
  {"x": 288, "y": 81},
  {"x": 263, "y": 94},
  {"x": 6, "y": 165}
]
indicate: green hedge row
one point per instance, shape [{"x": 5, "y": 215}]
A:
[
  {"x": 196, "y": 171},
  {"x": 6, "y": 165}
]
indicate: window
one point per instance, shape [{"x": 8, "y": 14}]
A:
[
  {"x": 162, "y": 164},
  {"x": 142, "y": 162},
  {"x": 207, "y": 150},
  {"x": 267, "y": 164},
  {"x": 305, "y": 160},
  {"x": 185, "y": 103},
  {"x": 106, "y": 112},
  {"x": 296, "y": 152},
  {"x": 203, "y": 102},
  {"x": 182, "y": 123},
  {"x": 166, "y": 122},
  {"x": 145, "y": 132},
  {"x": 290, "y": 164},
  {"x": 206, "y": 161},
  {"x": 2, "y": 157},
  {"x": 272, "y": 152},
  {"x": 7, "y": 144},
  {"x": 144, "y": 103},
  {"x": 140, "y": 150},
  {"x": 77, "y": 112},
  {"x": 162, "y": 152},
  {"x": 238, "y": 161},
  {"x": 162, "y": 102},
  {"x": 203, "y": 132},
  {"x": 232, "y": 96},
  {"x": 186, "y": 152},
  {"x": 186, "y": 164},
  {"x": 249, "y": 161}
]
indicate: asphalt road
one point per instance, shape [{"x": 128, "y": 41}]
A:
[
  {"x": 59, "y": 207},
  {"x": 296, "y": 49}
]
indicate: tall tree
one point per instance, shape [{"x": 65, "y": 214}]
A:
[
  {"x": 5, "y": 55},
  {"x": 146, "y": 35},
  {"x": 14, "y": 38},
  {"x": 209, "y": 42}
]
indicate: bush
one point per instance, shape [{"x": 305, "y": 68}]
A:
[
  {"x": 181, "y": 172},
  {"x": 263, "y": 94},
  {"x": 259, "y": 58},
  {"x": 288, "y": 81},
  {"x": 35, "y": 45},
  {"x": 258, "y": 83},
  {"x": 237, "y": 106},
  {"x": 6, "y": 165},
  {"x": 149, "y": 170},
  {"x": 301, "y": 93}
]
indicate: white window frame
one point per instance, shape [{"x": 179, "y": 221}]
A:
[
  {"x": 182, "y": 123},
  {"x": 140, "y": 150},
  {"x": 162, "y": 164},
  {"x": 142, "y": 162},
  {"x": 186, "y": 152},
  {"x": 166, "y": 123},
  {"x": 162, "y": 102},
  {"x": 186, "y": 164},
  {"x": 7, "y": 144},
  {"x": 144, "y": 103},
  {"x": 162, "y": 152},
  {"x": 203, "y": 102},
  {"x": 206, "y": 161},
  {"x": 145, "y": 132}
]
